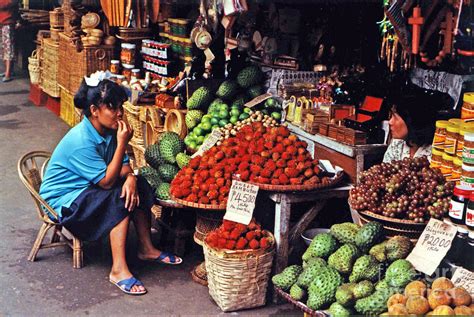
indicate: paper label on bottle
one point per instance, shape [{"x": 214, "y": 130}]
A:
[
  {"x": 469, "y": 217},
  {"x": 432, "y": 246},
  {"x": 456, "y": 210},
  {"x": 464, "y": 278},
  {"x": 468, "y": 155},
  {"x": 241, "y": 203}
]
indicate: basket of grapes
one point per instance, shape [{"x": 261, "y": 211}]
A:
[{"x": 402, "y": 195}]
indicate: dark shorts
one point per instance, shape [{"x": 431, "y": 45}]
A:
[{"x": 96, "y": 211}]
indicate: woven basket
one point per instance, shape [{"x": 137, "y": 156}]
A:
[
  {"x": 307, "y": 311},
  {"x": 70, "y": 114},
  {"x": 33, "y": 60},
  {"x": 50, "y": 68},
  {"x": 138, "y": 154},
  {"x": 175, "y": 122},
  {"x": 239, "y": 279},
  {"x": 34, "y": 68},
  {"x": 132, "y": 114},
  {"x": 56, "y": 19},
  {"x": 206, "y": 221},
  {"x": 293, "y": 188},
  {"x": 151, "y": 119},
  {"x": 132, "y": 34}
]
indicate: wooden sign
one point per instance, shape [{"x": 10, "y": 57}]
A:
[
  {"x": 464, "y": 278},
  {"x": 432, "y": 246},
  {"x": 241, "y": 203},
  {"x": 211, "y": 140},
  {"x": 255, "y": 101}
]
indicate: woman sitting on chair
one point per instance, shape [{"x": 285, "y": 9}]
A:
[{"x": 91, "y": 186}]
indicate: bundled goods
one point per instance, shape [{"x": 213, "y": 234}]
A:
[
  {"x": 442, "y": 299},
  {"x": 407, "y": 189},
  {"x": 259, "y": 154},
  {"x": 236, "y": 236},
  {"x": 164, "y": 158},
  {"x": 343, "y": 270}
]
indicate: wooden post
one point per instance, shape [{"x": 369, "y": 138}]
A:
[{"x": 416, "y": 21}]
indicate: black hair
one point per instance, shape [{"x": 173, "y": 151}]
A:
[
  {"x": 106, "y": 92},
  {"x": 417, "y": 107}
]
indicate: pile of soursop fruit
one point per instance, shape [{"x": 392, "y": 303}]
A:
[
  {"x": 165, "y": 158},
  {"x": 350, "y": 270}
]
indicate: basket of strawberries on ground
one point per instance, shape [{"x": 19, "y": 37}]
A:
[{"x": 238, "y": 262}]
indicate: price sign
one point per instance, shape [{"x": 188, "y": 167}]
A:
[
  {"x": 432, "y": 246},
  {"x": 464, "y": 278},
  {"x": 255, "y": 101},
  {"x": 241, "y": 202},
  {"x": 209, "y": 142}
]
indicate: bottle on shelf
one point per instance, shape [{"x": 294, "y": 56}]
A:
[{"x": 457, "y": 252}]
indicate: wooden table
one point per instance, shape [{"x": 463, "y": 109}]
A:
[{"x": 353, "y": 159}]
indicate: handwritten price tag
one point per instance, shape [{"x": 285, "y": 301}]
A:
[
  {"x": 432, "y": 246},
  {"x": 464, "y": 278},
  {"x": 241, "y": 202},
  {"x": 210, "y": 142}
]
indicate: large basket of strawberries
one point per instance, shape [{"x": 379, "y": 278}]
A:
[{"x": 238, "y": 262}]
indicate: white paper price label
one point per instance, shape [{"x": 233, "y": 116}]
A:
[
  {"x": 241, "y": 203},
  {"x": 432, "y": 246},
  {"x": 209, "y": 142},
  {"x": 464, "y": 278}
]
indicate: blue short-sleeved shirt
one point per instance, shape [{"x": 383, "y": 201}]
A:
[{"x": 79, "y": 160}]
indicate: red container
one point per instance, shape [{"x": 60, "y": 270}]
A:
[
  {"x": 37, "y": 96},
  {"x": 53, "y": 104}
]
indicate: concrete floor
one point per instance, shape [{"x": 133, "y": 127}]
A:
[{"x": 50, "y": 285}]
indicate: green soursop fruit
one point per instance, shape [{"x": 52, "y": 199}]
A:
[
  {"x": 323, "y": 245},
  {"x": 363, "y": 289},
  {"x": 337, "y": 310},
  {"x": 193, "y": 118},
  {"x": 297, "y": 293},
  {"x": 378, "y": 251},
  {"x": 322, "y": 290},
  {"x": 182, "y": 159},
  {"x": 249, "y": 76},
  {"x": 215, "y": 105},
  {"x": 153, "y": 156},
  {"x": 227, "y": 90},
  {"x": 255, "y": 91},
  {"x": 369, "y": 235},
  {"x": 398, "y": 248},
  {"x": 365, "y": 268},
  {"x": 199, "y": 99},
  {"x": 319, "y": 262},
  {"x": 168, "y": 172},
  {"x": 382, "y": 284},
  {"x": 170, "y": 145},
  {"x": 287, "y": 278},
  {"x": 163, "y": 191},
  {"x": 151, "y": 175},
  {"x": 309, "y": 273},
  {"x": 343, "y": 259},
  {"x": 239, "y": 101},
  {"x": 345, "y": 232},
  {"x": 400, "y": 273},
  {"x": 374, "y": 304},
  {"x": 345, "y": 294}
]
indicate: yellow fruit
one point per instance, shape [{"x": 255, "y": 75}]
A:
[
  {"x": 385, "y": 314},
  {"x": 443, "y": 310},
  {"x": 398, "y": 310},
  {"x": 443, "y": 283},
  {"x": 415, "y": 288},
  {"x": 396, "y": 299},
  {"x": 462, "y": 311},
  {"x": 460, "y": 296},
  {"x": 439, "y": 297},
  {"x": 429, "y": 313},
  {"x": 417, "y": 305}
]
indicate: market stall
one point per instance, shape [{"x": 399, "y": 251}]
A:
[{"x": 229, "y": 111}]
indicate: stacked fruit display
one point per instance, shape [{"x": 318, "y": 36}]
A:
[
  {"x": 443, "y": 299},
  {"x": 164, "y": 158},
  {"x": 208, "y": 110},
  {"x": 407, "y": 189},
  {"x": 257, "y": 154},
  {"x": 342, "y": 270},
  {"x": 236, "y": 236}
]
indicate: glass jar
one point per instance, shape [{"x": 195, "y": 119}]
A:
[
  {"x": 447, "y": 165},
  {"x": 467, "y": 110},
  {"x": 468, "y": 149},
  {"x": 451, "y": 140},
  {"x": 458, "y": 204},
  {"x": 115, "y": 66},
  {"x": 467, "y": 176},
  {"x": 457, "y": 170},
  {"x": 458, "y": 246},
  {"x": 127, "y": 53},
  {"x": 440, "y": 134},
  {"x": 127, "y": 71},
  {"x": 468, "y": 259},
  {"x": 436, "y": 158},
  {"x": 465, "y": 127},
  {"x": 469, "y": 218}
]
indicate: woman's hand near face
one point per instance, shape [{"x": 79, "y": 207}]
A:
[
  {"x": 130, "y": 193},
  {"x": 124, "y": 132}
]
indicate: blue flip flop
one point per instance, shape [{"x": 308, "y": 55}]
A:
[
  {"x": 174, "y": 260},
  {"x": 127, "y": 284}
]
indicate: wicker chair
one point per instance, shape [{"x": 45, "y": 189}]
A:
[{"x": 31, "y": 167}]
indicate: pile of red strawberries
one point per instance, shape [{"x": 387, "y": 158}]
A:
[
  {"x": 236, "y": 236},
  {"x": 259, "y": 154}
]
